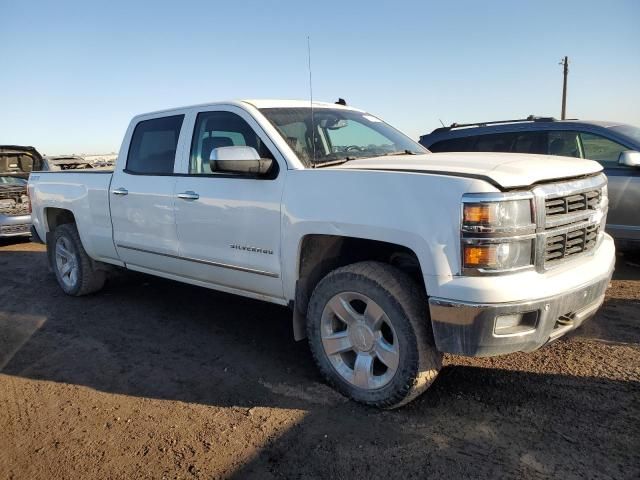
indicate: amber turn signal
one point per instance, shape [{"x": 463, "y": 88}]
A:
[
  {"x": 477, "y": 213},
  {"x": 479, "y": 255}
]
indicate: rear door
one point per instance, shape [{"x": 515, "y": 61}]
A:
[
  {"x": 141, "y": 195},
  {"x": 229, "y": 224}
]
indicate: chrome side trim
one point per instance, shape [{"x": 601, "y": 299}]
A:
[{"x": 204, "y": 262}]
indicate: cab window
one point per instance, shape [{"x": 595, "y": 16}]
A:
[
  {"x": 152, "y": 150},
  {"x": 221, "y": 129}
]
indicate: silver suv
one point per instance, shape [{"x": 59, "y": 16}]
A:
[{"x": 616, "y": 146}]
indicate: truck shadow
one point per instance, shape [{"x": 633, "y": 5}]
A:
[
  {"x": 473, "y": 423},
  {"x": 147, "y": 337}
]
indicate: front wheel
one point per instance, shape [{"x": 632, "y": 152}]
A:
[
  {"x": 75, "y": 271},
  {"x": 370, "y": 334}
]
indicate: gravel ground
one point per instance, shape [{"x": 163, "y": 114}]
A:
[{"x": 155, "y": 379}]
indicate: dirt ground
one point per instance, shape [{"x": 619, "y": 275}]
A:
[{"x": 155, "y": 379}]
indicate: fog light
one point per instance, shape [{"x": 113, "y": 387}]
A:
[
  {"x": 507, "y": 321},
  {"x": 515, "y": 323}
]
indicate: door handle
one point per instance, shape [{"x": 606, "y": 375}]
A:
[
  {"x": 189, "y": 195},
  {"x": 120, "y": 191}
]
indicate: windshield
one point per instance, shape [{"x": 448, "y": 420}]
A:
[
  {"x": 629, "y": 131},
  {"x": 339, "y": 134}
]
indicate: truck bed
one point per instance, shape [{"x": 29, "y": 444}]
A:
[{"x": 87, "y": 194}]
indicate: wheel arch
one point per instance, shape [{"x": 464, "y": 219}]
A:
[
  {"x": 319, "y": 254},
  {"x": 57, "y": 216}
]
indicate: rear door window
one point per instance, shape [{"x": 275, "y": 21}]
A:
[
  {"x": 496, "y": 142},
  {"x": 530, "y": 142},
  {"x": 153, "y": 146},
  {"x": 563, "y": 143}
]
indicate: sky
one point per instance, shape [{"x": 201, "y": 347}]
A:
[{"x": 75, "y": 72}]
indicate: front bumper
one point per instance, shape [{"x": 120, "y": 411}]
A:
[
  {"x": 15, "y": 225},
  {"x": 466, "y": 328}
]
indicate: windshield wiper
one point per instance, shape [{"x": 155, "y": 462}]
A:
[
  {"x": 329, "y": 163},
  {"x": 401, "y": 152}
]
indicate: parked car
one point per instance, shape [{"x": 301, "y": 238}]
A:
[
  {"x": 615, "y": 146},
  {"x": 387, "y": 255},
  {"x": 65, "y": 162},
  {"x": 16, "y": 163}
]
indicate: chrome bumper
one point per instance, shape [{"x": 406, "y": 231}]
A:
[
  {"x": 469, "y": 328},
  {"x": 15, "y": 225}
]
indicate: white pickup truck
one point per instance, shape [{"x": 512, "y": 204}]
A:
[{"x": 388, "y": 255}]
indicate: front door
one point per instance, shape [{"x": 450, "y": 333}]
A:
[{"x": 229, "y": 224}]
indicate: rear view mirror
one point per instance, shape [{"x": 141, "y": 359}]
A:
[
  {"x": 238, "y": 159},
  {"x": 629, "y": 158},
  {"x": 332, "y": 122}
]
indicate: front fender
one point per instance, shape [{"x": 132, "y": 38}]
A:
[{"x": 418, "y": 211}]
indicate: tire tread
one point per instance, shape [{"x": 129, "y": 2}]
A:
[
  {"x": 91, "y": 278},
  {"x": 425, "y": 360}
]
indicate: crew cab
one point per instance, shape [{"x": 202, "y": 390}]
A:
[{"x": 387, "y": 255}]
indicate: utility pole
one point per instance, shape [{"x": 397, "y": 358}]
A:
[{"x": 565, "y": 63}]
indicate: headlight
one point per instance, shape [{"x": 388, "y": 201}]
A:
[
  {"x": 507, "y": 255},
  {"x": 497, "y": 232},
  {"x": 496, "y": 216}
]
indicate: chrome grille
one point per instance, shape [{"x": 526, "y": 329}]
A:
[
  {"x": 14, "y": 201},
  {"x": 570, "y": 243},
  {"x": 14, "y": 229},
  {"x": 572, "y": 203},
  {"x": 570, "y": 217}
]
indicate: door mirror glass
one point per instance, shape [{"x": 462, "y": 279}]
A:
[
  {"x": 238, "y": 159},
  {"x": 629, "y": 158}
]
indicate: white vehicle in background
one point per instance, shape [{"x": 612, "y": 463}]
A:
[{"x": 388, "y": 255}]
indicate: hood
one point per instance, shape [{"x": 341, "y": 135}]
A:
[
  {"x": 19, "y": 161},
  {"x": 505, "y": 170}
]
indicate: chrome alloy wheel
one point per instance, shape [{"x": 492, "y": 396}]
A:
[
  {"x": 359, "y": 340},
  {"x": 66, "y": 262}
]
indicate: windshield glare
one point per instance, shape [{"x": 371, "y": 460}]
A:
[
  {"x": 629, "y": 131},
  {"x": 339, "y": 134}
]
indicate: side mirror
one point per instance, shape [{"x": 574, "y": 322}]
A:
[
  {"x": 629, "y": 158},
  {"x": 238, "y": 159}
]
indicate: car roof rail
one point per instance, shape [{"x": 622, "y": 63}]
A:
[{"x": 530, "y": 118}]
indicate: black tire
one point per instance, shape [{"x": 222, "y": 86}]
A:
[
  {"x": 89, "y": 279},
  {"x": 405, "y": 306}
]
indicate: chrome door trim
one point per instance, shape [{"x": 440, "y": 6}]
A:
[
  {"x": 188, "y": 195},
  {"x": 204, "y": 262}
]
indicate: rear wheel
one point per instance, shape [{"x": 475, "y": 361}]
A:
[
  {"x": 75, "y": 271},
  {"x": 370, "y": 334}
]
